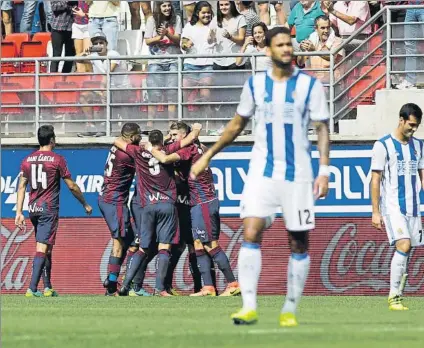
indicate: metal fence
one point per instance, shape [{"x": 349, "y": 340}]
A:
[{"x": 98, "y": 104}]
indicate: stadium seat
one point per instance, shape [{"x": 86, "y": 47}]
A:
[
  {"x": 94, "y": 86},
  {"x": 48, "y": 82},
  {"x": 63, "y": 96},
  {"x": 26, "y": 83},
  {"x": 32, "y": 49},
  {"x": 8, "y": 50},
  {"x": 17, "y": 39},
  {"x": 78, "y": 79},
  {"x": 44, "y": 38},
  {"x": 367, "y": 98},
  {"x": 10, "y": 97}
]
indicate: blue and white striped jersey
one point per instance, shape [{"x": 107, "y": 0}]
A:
[
  {"x": 400, "y": 181},
  {"x": 282, "y": 112}
]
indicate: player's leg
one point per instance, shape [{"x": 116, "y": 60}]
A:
[
  {"x": 47, "y": 272},
  {"x": 146, "y": 232},
  {"x": 211, "y": 218},
  {"x": 398, "y": 232},
  {"x": 260, "y": 200},
  {"x": 114, "y": 216},
  {"x": 299, "y": 216},
  {"x": 204, "y": 261},
  {"x": 45, "y": 227},
  {"x": 176, "y": 252},
  {"x": 167, "y": 230}
]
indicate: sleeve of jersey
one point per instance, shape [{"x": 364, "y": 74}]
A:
[
  {"x": 379, "y": 156},
  {"x": 63, "y": 168},
  {"x": 318, "y": 106},
  {"x": 421, "y": 162},
  {"x": 131, "y": 150},
  {"x": 246, "y": 107},
  {"x": 173, "y": 147},
  {"x": 184, "y": 153}
]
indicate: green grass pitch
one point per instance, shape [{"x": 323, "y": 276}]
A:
[{"x": 95, "y": 321}]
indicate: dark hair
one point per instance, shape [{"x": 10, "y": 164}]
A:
[
  {"x": 274, "y": 32},
  {"x": 129, "y": 129},
  {"x": 45, "y": 135},
  {"x": 159, "y": 18},
  {"x": 195, "y": 16},
  {"x": 247, "y": 3},
  {"x": 181, "y": 126},
  {"x": 410, "y": 109},
  {"x": 263, "y": 26},
  {"x": 233, "y": 10},
  {"x": 156, "y": 137},
  {"x": 321, "y": 18}
]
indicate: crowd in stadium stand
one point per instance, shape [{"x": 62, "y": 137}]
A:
[{"x": 196, "y": 27}]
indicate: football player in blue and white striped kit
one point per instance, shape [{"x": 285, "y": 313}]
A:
[
  {"x": 397, "y": 179},
  {"x": 283, "y": 101}
]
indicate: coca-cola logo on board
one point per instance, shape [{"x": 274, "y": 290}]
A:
[
  {"x": 352, "y": 261},
  {"x": 14, "y": 268}
]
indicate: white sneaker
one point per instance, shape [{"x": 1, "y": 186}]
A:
[{"x": 405, "y": 85}]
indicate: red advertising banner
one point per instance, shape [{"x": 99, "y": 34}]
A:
[{"x": 348, "y": 256}]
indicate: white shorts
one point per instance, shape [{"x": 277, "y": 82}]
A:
[
  {"x": 399, "y": 226},
  {"x": 80, "y": 31},
  {"x": 263, "y": 196}
]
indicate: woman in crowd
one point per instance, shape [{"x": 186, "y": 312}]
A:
[
  {"x": 62, "y": 33},
  {"x": 230, "y": 33},
  {"x": 80, "y": 34},
  {"x": 199, "y": 38},
  {"x": 256, "y": 44},
  {"x": 163, "y": 35}
]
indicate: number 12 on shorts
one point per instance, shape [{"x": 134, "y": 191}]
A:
[{"x": 305, "y": 217}]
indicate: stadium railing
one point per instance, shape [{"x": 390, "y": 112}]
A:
[
  {"x": 30, "y": 100},
  {"x": 70, "y": 101}
]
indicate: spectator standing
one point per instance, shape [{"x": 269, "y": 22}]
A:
[
  {"x": 62, "y": 33},
  {"x": 135, "y": 12},
  {"x": 163, "y": 35},
  {"x": 414, "y": 32},
  {"x": 103, "y": 17},
  {"x": 322, "y": 39},
  {"x": 230, "y": 34},
  {"x": 80, "y": 34},
  {"x": 256, "y": 44},
  {"x": 279, "y": 10},
  {"x": 199, "y": 37},
  {"x": 246, "y": 8},
  {"x": 29, "y": 12},
  {"x": 6, "y": 16},
  {"x": 303, "y": 17}
]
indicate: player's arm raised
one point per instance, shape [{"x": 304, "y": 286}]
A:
[
  {"x": 75, "y": 190},
  {"x": 192, "y": 136},
  {"x": 378, "y": 162},
  {"x": 120, "y": 143},
  {"x": 20, "y": 219},
  {"x": 245, "y": 110},
  {"x": 162, "y": 157}
]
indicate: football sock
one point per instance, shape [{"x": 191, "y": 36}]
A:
[
  {"x": 297, "y": 273},
  {"x": 47, "y": 272},
  {"x": 397, "y": 269},
  {"x": 204, "y": 264},
  {"x": 132, "y": 267},
  {"x": 114, "y": 268},
  {"x": 223, "y": 263},
  {"x": 37, "y": 269},
  {"x": 162, "y": 269},
  {"x": 195, "y": 273},
  {"x": 176, "y": 252},
  {"x": 249, "y": 270}
]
